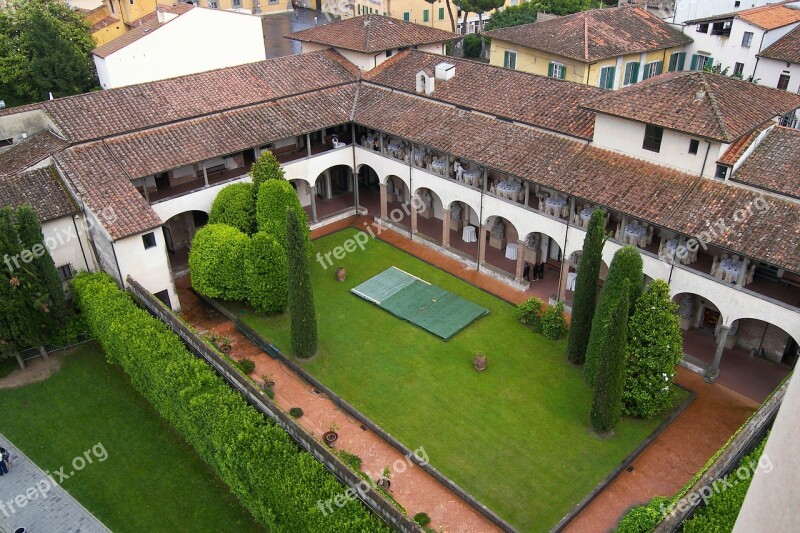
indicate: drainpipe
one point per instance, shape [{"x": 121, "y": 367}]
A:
[
  {"x": 760, "y": 46},
  {"x": 480, "y": 219},
  {"x": 705, "y": 159},
  {"x": 355, "y": 172},
  {"x": 83, "y": 252},
  {"x": 411, "y": 193},
  {"x": 563, "y": 257}
]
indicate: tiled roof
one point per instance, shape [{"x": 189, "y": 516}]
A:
[
  {"x": 103, "y": 23},
  {"x": 511, "y": 148},
  {"x": 187, "y": 142},
  {"x": 738, "y": 147},
  {"x": 21, "y": 109},
  {"x": 373, "y": 33},
  {"x": 589, "y": 36},
  {"x": 787, "y": 48},
  {"x": 140, "y": 28},
  {"x": 30, "y": 152},
  {"x": 771, "y": 235},
  {"x": 114, "y": 111},
  {"x": 768, "y": 17},
  {"x": 774, "y": 164},
  {"x": 107, "y": 191},
  {"x": 41, "y": 189},
  {"x": 536, "y": 100},
  {"x": 699, "y": 103}
]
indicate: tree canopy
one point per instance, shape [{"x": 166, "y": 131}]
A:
[
  {"x": 514, "y": 16},
  {"x": 45, "y": 47}
]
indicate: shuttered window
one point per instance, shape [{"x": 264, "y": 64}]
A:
[{"x": 607, "y": 77}]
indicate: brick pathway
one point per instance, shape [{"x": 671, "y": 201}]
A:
[{"x": 31, "y": 500}]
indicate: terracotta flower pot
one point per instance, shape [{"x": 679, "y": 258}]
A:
[{"x": 341, "y": 275}]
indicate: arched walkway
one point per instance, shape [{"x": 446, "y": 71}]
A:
[
  {"x": 178, "y": 234},
  {"x": 369, "y": 186},
  {"x": 501, "y": 249},
  {"x": 429, "y": 213},
  {"x": 572, "y": 272},
  {"x": 545, "y": 252},
  {"x": 462, "y": 215},
  {"x": 333, "y": 192}
]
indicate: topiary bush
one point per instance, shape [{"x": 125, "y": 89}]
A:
[
  {"x": 645, "y": 518},
  {"x": 553, "y": 322},
  {"x": 295, "y": 412},
  {"x": 281, "y": 484},
  {"x": 422, "y": 519},
  {"x": 216, "y": 262},
  {"x": 267, "y": 167},
  {"x": 266, "y": 270},
  {"x": 246, "y": 365},
  {"x": 235, "y": 207},
  {"x": 275, "y": 199},
  {"x": 528, "y": 312}
]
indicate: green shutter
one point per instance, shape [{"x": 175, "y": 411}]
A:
[
  {"x": 550, "y": 70},
  {"x": 425, "y": 15},
  {"x": 710, "y": 62},
  {"x": 359, "y": 9},
  {"x": 607, "y": 77},
  {"x": 563, "y": 71},
  {"x": 681, "y": 60},
  {"x": 635, "y": 73},
  {"x": 506, "y": 59},
  {"x": 441, "y": 13},
  {"x": 407, "y": 16},
  {"x": 659, "y": 68},
  {"x": 695, "y": 59}
]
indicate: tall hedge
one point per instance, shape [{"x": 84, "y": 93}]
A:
[
  {"x": 275, "y": 198},
  {"x": 586, "y": 289},
  {"x": 301, "y": 293},
  {"x": 655, "y": 345},
  {"x": 266, "y": 268},
  {"x": 235, "y": 206},
  {"x": 626, "y": 265},
  {"x": 267, "y": 167},
  {"x": 610, "y": 378},
  {"x": 216, "y": 262},
  {"x": 276, "y": 481}
]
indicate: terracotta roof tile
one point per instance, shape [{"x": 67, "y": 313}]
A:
[
  {"x": 737, "y": 148},
  {"x": 787, "y": 48},
  {"x": 106, "y": 189},
  {"x": 768, "y": 17},
  {"x": 774, "y": 164},
  {"x": 28, "y": 153},
  {"x": 101, "y": 114},
  {"x": 133, "y": 35},
  {"x": 41, "y": 189},
  {"x": 373, "y": 33},
  {"x": 104, "y": 23},
  {"x": 699, "y": 103},
  {"x": 536, "y": 100},
  {"x": 589, "y": 36}
]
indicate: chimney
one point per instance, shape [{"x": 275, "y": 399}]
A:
[
  {"x": 425, "y": 83},
  {"x": 445, "y": 71}
]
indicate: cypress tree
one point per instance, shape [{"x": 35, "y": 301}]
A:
[
  {"x": 626, "y": 265},
  {"x": 586, "y": 289},
  {"x": 301, "y": 294},
  {"x": 610, "y": 378}
]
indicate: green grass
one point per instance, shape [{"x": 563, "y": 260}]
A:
[
  {"x": 151, "y": 481},
  {"x": 515, "y": 436}
]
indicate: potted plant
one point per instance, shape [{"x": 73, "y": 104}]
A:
[
  {"x": 341, "y": 275},
  {"x": 385, "y": 480},
  {"x": 480, "y": 362},
  {"x": 331, "y": 436},
  {"x": 268, "y": 381}
]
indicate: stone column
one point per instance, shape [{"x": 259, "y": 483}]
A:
[
  {"x": 205, "y": 173},
  {"x": 482, "y": 244},
  {"x": 384, "y": 204},
  {"x": 743, "y": 274},
  {"x": 713, "y": 372},
  {"x": 527, "y": 192},
  {"x": 412, "y": 205},
  {"x": 562, "y": 288},
  {"x": 520, "y": 261},
  {"x": 313, "y": 190},
  {"x": 446, "y": 228}
]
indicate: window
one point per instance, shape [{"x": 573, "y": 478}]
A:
[
  {"x": 149, "y": 240},
  {"x": 652, "y": 69},
  {"x": 701, "y": 62},
  {"x": 407, "y": 16},
  {"x": 738, "y": 70},
  {"x": 702, "y": 28},
  {"x": 441, "y": 13},
  {"x": 652, "y": 138},
  {"x": 510, "y": 60},
  {"x": 607, "y": 78},
  {"x": 694, "y": 145},
  {"x": 557, "y": 70},
  {"x": 359, "y": 9},
  {"x": 236, "y": 4},
  {"x": 721, "y": 172},
  {"x": 747, "y": 39},
  {"x": 426, "y": 15},
  {"x": 783, "y": 82},
  {"x": 388, "y": 53},
  {"x": 65, "y": 272},
  {"x": 213, "y": 4},
  {"x": 677, "y": 61},
  {"x": 737, "y": 3},
  {"x": 631, "y": 73},
  {"x": 722, "y": 28}
]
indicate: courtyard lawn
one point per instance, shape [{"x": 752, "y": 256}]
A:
[
  {"x": 516, "y": 436},
  {"x": 151, "y": 481}
]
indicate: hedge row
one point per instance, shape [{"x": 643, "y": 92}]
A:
[{"x": 280, "y": 484}]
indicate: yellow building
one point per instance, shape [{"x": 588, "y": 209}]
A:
[
  {"x": 609, "y": 48},
  {"x": 110, "y": 19},
  {"x": 255, "y": 7},
  {"x": 434, "y": 15}
]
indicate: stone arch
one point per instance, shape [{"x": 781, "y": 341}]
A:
[{"x": 697, "y": 311}]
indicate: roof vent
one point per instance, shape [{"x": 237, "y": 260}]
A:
[
  {"x": 424, "y": 82},
  {"x": 445, "y": 71}
]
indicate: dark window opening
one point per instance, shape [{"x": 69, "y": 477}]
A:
[
  {"x": 722, "y": 172},
  {"x": 694, "y": 145},
  {"x": 6, "y": 142},
  {"x": 65, "y": 272},
  {"x": 164, "y": 297},
  {"x": 721, "y": 28},
  {"x": 783, "y": 82},
  {"x": 652, "y": 138},
  {"x": 149, "y": 240},
  {"x": 702, "y": 28}
]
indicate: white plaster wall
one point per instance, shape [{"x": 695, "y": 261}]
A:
[
  {"x": 695, "y": 9},
  {"x": 67, "y": 242},
  {"x": 196, "y": 201},
  {"x": 768, "y": 72},
  {"x": 150, "y": 267},
  {"x": 197, "y": 41},
  {"x": 627, "y": 136},
  {"x": 310, "y": 168}
]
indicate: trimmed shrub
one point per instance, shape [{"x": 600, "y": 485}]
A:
[
  {"x": 528, "y": 312},
  {"x": 645, "y": 518},
  {"x": 586, "y": 289},
  {"x": 626, "y": 265},
  {"x": 267, "y": 167},
  {"x": 216, "y": 262},
  {"x": 275, "y": 198},
  {"x": 295, "y": 412},
  {"x": 246, "y": 365},
  {"x": 235, "y": 207},
  {"x": 301, "y": 294},
  {"x": 655, "y": 345},
  {"x": 274, "y": 479},
  {"x": 266, "y": 269},
  {"x": 422, "y": 519},
  {"x": 610, "y": 378},
  {"x": 553, "y": 322},
  {"x": 350, "y": 459}
]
